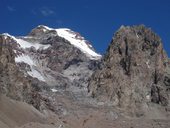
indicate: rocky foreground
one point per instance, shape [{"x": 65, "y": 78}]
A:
[{"x": 53, "y": 78}]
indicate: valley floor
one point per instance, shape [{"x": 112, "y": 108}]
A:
[
  {"x": 80, "y": 114},
  {"x": 70, "y": 113}
]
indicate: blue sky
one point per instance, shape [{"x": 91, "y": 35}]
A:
[{"x": 96, "y": 20}]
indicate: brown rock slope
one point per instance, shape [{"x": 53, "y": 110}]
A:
[
  {"x": 14, "y": 113},
  {"x": 135, "y": 72}
]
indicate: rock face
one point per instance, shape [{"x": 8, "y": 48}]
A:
[{"x": 134, "y": 71}]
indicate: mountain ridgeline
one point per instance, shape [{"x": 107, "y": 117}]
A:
[{"x": 63, "y": 82}]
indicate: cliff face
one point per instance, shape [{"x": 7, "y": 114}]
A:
[{"x": 135, "y": 71}]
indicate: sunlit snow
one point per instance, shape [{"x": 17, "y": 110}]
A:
[
  {"x": 25, "y": 44},
  {"x": 36, "y": 74},
  {"x": 54, "y": 90},
  {"x": 25, "y": 59}
]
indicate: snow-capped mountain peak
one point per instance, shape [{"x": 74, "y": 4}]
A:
[{"x": 75, "y": 39}]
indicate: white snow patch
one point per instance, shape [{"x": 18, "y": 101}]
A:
[
  {"x": 5, "y": 37},
  {"x": 137, "y": 35},
  {"x": 27, "y": 37},
  {"x": 15, "y": 51},
  {"x": 24, "y": 44},
  {"x": 148, "y": 97},
  {"x": 47, "y": 28},
  {"x": 54, "y": 90},
  {"x": 25, "y": 59},
  {"x": 44, "y": 30},
  {"x": 60, "y": 126},
  {"x": 147, "y": 63},
  {"x": 34, "y": 73}
]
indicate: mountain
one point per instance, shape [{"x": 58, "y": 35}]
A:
[
  {"x": 57, "y": 77},
  {"x": 50, "y": 55}
]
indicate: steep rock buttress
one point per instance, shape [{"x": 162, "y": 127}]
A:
[{"x": 135, "y": 71}]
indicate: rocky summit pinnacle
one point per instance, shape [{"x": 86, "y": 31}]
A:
[
  {"x": 135, "y": 71},
  {"x": 54, "y": 78}
]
